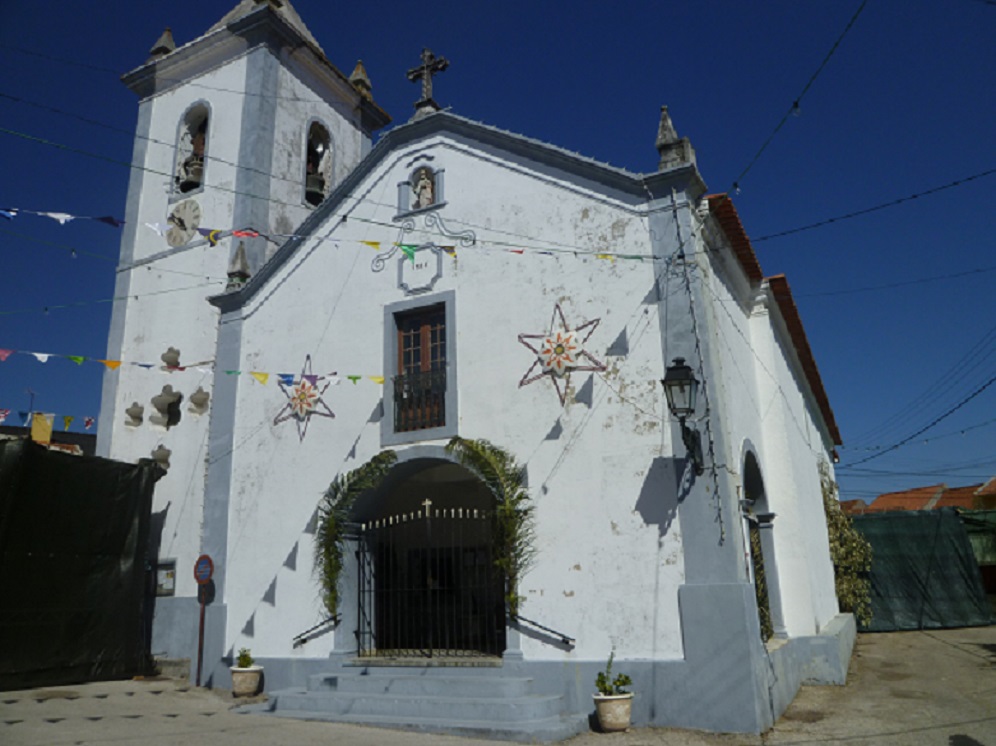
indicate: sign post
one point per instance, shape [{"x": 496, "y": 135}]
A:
[{"x": 203, "y": 570}]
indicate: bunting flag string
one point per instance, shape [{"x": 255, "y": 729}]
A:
[
  {"x": 214, "y": 235},
  {"x": 60, "y": 217},
  {"x": 45, "y": 421},
  {"x": 202, "y": 367}
]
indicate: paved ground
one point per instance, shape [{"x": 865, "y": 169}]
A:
[{"x": 904, "y": 689}]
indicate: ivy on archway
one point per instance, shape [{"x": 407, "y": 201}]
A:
[
  {"x": 333, "y": 513},
  {"x": 514, "y": 531}
]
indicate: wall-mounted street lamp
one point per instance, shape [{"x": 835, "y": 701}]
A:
[{"x": 681, "y": 389}]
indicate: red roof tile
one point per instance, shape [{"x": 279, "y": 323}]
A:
[
  {"x": 783, "y": 296},
  {"x": 919, "y": 498},
  {"x": 721, "y": 207},
  {"x": 958, "y": 497}
]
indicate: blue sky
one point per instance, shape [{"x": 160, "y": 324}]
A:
[{"x": 898, "y": 303}]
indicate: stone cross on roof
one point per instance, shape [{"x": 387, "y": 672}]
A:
[{"x": 430, "y": 65}]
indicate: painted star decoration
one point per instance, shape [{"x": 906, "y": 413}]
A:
[
  {"x": 560, "y": 352},
  {"x": 304, "y": 397}
]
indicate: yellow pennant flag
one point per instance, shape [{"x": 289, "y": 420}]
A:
[
  {"x": 609, "y": 257},
  {"x": 111, "y": 364},
  {"x": 372, "y": 244},
  {"x": 377, "y": 379},
  {"x": 67, "y": 420},
  {"x": 261, "y": 377},
  {"x": 41, "y": 427}
]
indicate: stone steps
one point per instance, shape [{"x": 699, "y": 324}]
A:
[{"x": 431, "y": 700}]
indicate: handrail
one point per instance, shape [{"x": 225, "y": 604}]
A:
[
  {"x": 302, "y": 637},
  {"x": 566, "y": 639}
]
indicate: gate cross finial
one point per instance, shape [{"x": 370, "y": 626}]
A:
[{"x": 427, "y": 503}]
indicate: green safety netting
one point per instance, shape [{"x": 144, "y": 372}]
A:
[
  {"x": 74, "y": 534},
  {"x": 924, "y": 573}
]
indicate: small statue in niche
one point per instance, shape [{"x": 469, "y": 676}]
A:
[{"x": 424, "y": 188}]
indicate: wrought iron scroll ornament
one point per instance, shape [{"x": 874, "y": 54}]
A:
[
  {"x": 431, "y": 221},
  {"x": 560, "y": 352},
  {"x": 304, "y": 397}
]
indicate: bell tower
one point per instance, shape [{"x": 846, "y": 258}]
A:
[{"x": 244, "y": 130}]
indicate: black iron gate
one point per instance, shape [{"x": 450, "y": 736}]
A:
[{"x": 428, "y": 585}]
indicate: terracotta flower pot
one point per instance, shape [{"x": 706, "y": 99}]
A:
[
  {"x": 246, "y": 681},
  {"x": 613, "y": 711}
]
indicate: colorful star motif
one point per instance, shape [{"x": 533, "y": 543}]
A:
[
  {"x": 560, "y": 353},
  {"x": 304, "y": 398}
]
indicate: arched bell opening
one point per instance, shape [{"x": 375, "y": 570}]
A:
[
  {"x": 191, "y": 149},
  {"x": 428, "y": 583},
  {"x": 318, "y": 164}
]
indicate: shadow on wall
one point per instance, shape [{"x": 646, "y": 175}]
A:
[{"x": 660, "y": 495}]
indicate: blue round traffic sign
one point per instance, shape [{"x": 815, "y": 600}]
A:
[{"x": 203, "y": 570}]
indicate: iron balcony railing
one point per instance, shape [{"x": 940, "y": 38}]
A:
[{"x": 419, "y": 400}]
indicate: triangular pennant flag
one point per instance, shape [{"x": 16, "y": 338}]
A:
[
  {"x": 67, "y": 420},
  {"x": 310, "y": 378},
  {"x": 41, "y": 428},
  {"x": 450, "y": 250},
  {"x": 3, "y": 415},
  {"x": 211, "y": 234},
  {"x": 87, "y": 422},
  {"x": 9, "y": 214},
  {"x": 111, "y": 364},
  {"x": 377, "y": 379},
  {"x": 609, "y": 257},
  {"x": 42, "y": 356},
  {"x": 409, "y": 250},
  {"x": 372, "y": 244},
  {"x": 234, "y": 372},
  {"x": 4, "y": 354},
  {"x": 245, "y": 234},
  {"x": 78, "y": 359},
  {"x": 110, "y": 220},
  {"x": 261, "y": 377},
  {"x": 354, "y": 379},
  {"x": 61, "y": 217},
  {"x": 144, "y": 365},
  {"x": 287, "y": 379},
  {"x": 517, "y": 251}
]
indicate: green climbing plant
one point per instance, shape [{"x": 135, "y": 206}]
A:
[
  {"x": 333, "y": 514},
  {"x": 514, "y": 530},
  {"x": 850, "y": 552}
]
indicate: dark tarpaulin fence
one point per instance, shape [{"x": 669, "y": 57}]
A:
[
  {"x": 74, "y": 534},
  {"x": 924, "y": 574}
]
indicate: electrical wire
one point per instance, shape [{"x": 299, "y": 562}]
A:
[
  {"x": 882, "y": 206},
  {"x": 794, "y": 108},
  {"x": 925, "y": 428}
]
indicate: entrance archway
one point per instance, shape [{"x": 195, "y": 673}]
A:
[{"x": 428, "y": 585}]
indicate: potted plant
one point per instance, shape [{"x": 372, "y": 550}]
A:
[
  {"x": 246, "y": 676},
  {"x": 613, "y": 704}
]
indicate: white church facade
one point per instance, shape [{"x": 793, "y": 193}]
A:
[{"x": 455, "y": 280}]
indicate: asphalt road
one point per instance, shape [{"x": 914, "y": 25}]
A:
[{"x": 904, "y": 689}]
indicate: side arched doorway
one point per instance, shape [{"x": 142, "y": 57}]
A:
[
  {"x": 428, "y": 584},
  {"x": 764, "y": 571}
]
